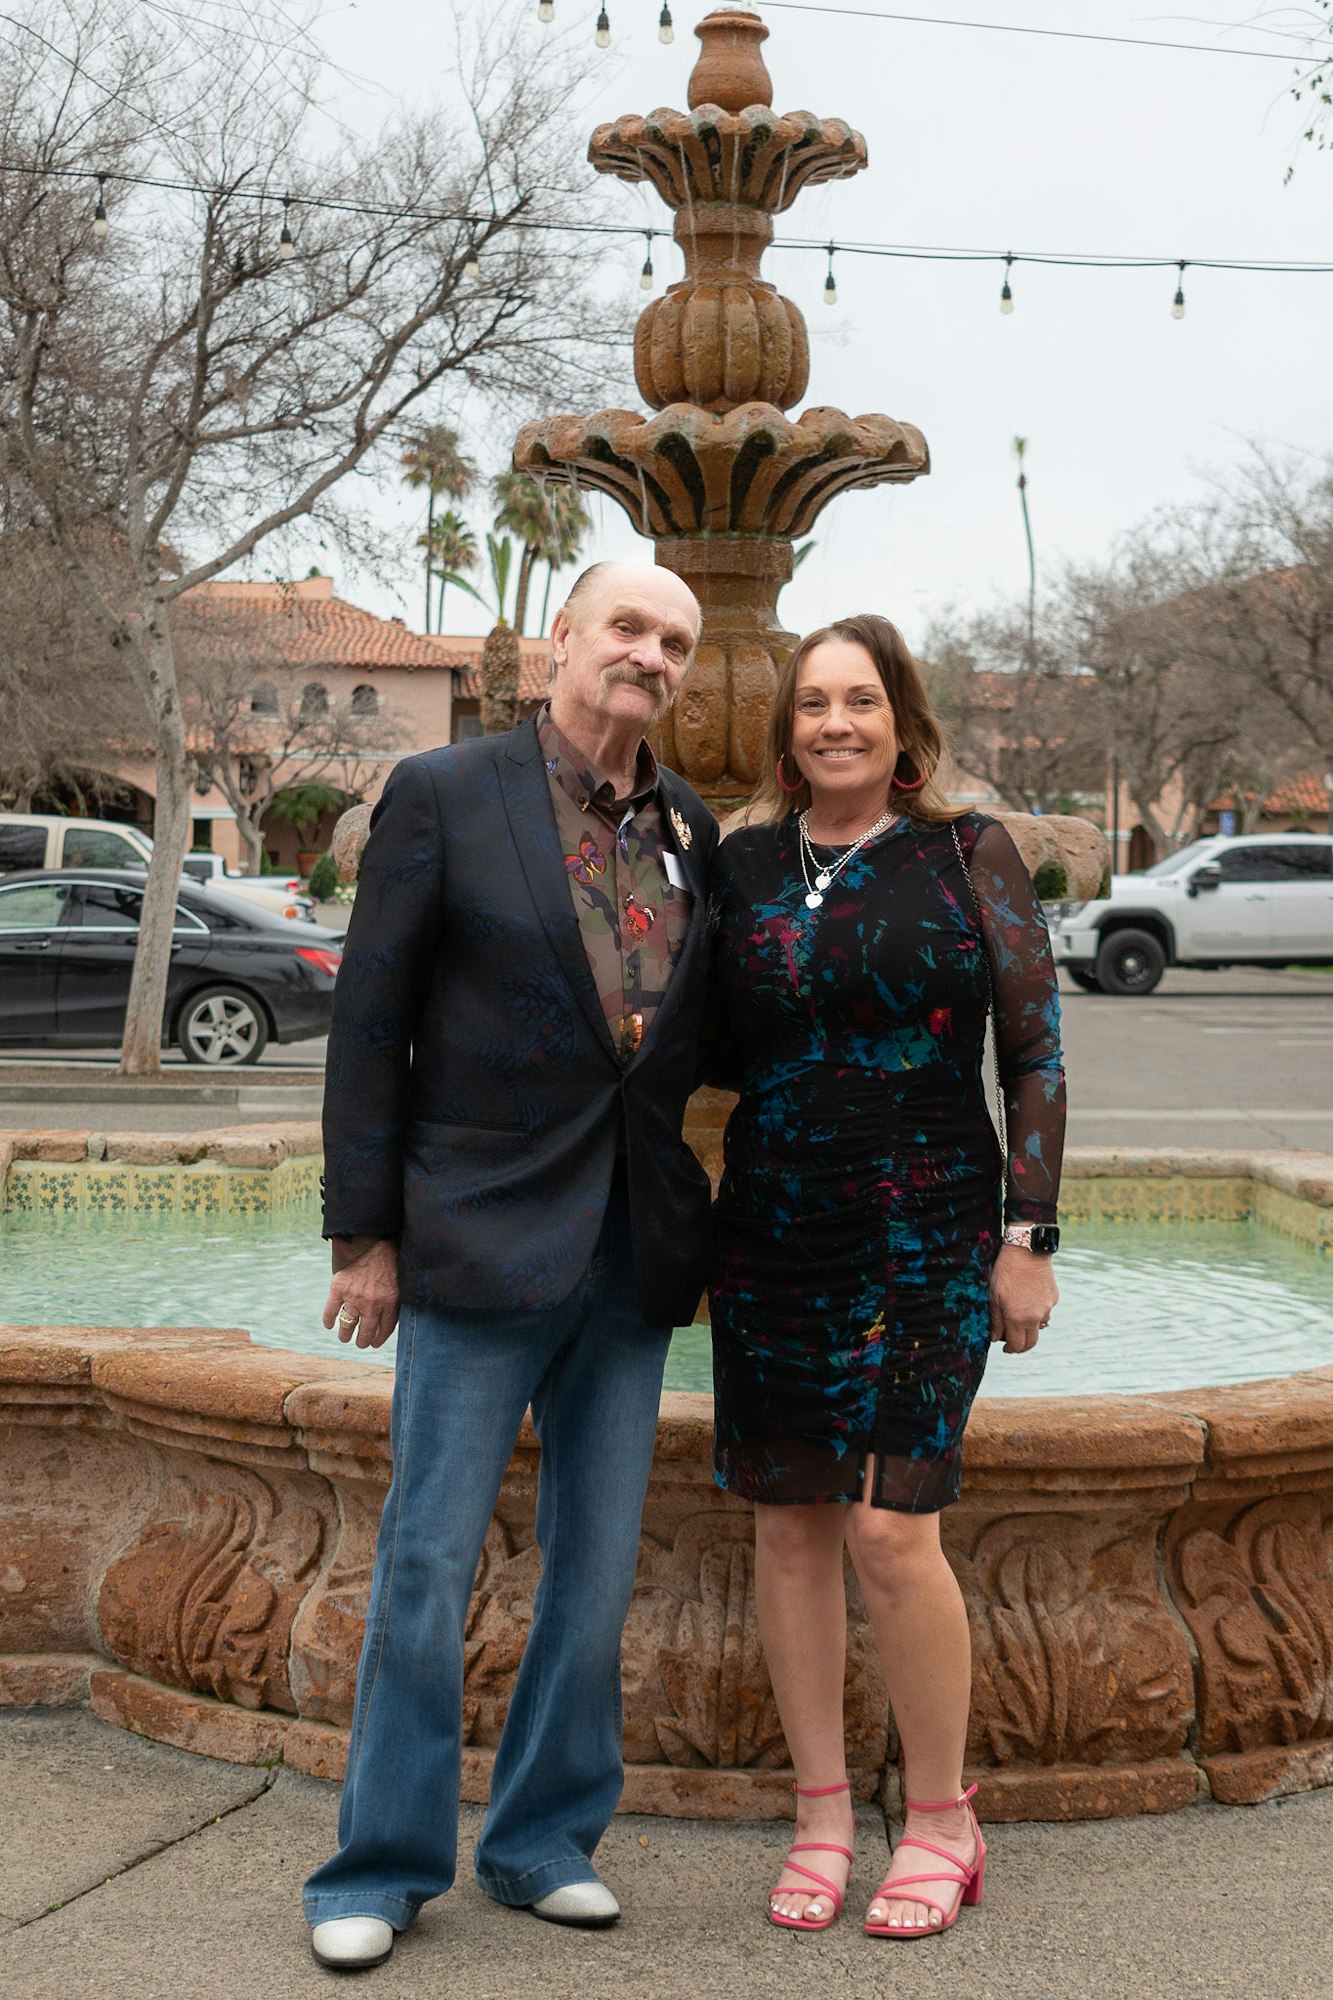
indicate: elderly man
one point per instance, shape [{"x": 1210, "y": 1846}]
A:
[{"x": 512, "y": 1048}]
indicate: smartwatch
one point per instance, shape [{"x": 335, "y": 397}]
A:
[{"x": 1042, "y": 1238}]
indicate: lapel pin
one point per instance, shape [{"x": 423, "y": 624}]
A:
[{"x": 680, "y": 827}]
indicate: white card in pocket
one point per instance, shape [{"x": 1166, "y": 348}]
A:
[{"x": 674, "y": 873}]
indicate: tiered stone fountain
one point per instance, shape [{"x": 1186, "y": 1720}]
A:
[{"x": 720, "y": 478}]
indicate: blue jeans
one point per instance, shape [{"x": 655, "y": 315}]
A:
[{"x": 592, "y": 1371}]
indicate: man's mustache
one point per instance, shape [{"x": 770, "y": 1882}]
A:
[{"x": 652, "y": 684}]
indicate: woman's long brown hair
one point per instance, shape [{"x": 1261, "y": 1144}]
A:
[{"x": 920, "y": 740}]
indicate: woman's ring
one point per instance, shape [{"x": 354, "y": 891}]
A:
[{"x": 346, "y": 1318}]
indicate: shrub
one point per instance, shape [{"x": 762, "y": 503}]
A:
[
  {"x": 1051, "y": 882},
  {"x": 323, "y": 880}
]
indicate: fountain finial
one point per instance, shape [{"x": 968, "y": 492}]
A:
[{"x": 730, "y": 71}]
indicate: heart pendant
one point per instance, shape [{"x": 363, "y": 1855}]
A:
[
  {"x": 822, "y": 880},
  {"x": 813, "y": 900}
]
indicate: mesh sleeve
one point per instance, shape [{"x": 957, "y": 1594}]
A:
[{"x": 1027, "y": 1024}]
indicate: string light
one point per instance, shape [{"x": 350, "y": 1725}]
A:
[
  {"x": 286, "y": 242},
  {"x": 646, "y": 274},
  {"x": 926, "y": 253},
  {"x": 603, "y": 35},
  {"x": 546, "y": 12},
  {"x": 665, "y": 30}
]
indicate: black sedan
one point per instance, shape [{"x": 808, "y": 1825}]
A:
[{"x": 239, "y": 976}]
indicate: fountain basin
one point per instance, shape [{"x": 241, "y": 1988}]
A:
[{"x": 188, "y": 1525}]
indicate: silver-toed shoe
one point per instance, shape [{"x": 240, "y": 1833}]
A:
[
  {"x": 350, "y": 1944},
  {"x": 589, "y": 1905}
]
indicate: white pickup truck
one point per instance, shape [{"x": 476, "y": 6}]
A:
[{"x": 1261, "y": 899}]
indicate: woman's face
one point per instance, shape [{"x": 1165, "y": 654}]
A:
[{"x": 843, "y": 734}]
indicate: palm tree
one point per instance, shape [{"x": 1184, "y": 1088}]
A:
[
  {"x": 451, "y": 548},
  {"x": 569, "y": 522},
  {"x": 432, "y": 458},
  {"x": 548, "y": 526}
]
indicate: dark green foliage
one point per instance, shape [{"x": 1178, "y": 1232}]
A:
[
  {"x": 1051, "y": 882},
  {"x": 323, "y": 880}
]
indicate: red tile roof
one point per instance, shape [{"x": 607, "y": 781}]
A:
[
  {"x": 321, "y": 629},
  {"x": 534, "y": 671},
  {"x": 1305, "y": 794}
]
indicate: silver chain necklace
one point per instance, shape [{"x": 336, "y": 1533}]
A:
[{"x": 824, "y": 877}]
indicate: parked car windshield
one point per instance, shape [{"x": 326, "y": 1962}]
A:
[{"x": 1180, "y": 859}]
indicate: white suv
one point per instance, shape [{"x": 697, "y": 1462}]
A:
[
  {"x": 1262, "y": 899},
  {"x": 51, "y": 840}
]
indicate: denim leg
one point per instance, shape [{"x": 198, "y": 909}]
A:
[
  {"x": 558, "y": 1772},
  {"x": 463, "y": 1383}
]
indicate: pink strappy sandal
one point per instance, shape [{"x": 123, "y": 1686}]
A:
[
  {"x": 821, "y": 1882},
  {"x": 969, "y": 1880}
]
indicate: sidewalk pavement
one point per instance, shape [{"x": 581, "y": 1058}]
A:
[{"x": 129, "y": 1871}]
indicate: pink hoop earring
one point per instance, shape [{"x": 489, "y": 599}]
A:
[
  {"x": 791, "y": 790},
  {"x": 899, "y": 785}
]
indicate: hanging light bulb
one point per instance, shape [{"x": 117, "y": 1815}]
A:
[
  {"x": 471, "y": 268},
  {"x": 603, "y": 35},
  {"x": 1178, "y": 302},
  {"x": 99, "y": 213},
  {"x": 546, "y": 12},
  {"x": 286, "y": 242},
  {"x": 665, "y": 31},
  {"x": 646, "y": 274},
  {"x": 1006, "y": 296},
  {"x": 830, "y": 288}
]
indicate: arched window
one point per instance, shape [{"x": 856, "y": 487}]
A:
[
  {"x": 365, "y": 699},
  {"x": 314, "y": 701},
  {"x": 264, "y": 699}
]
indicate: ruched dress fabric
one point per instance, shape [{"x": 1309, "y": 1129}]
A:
[{"x": 860, "y": 1206}]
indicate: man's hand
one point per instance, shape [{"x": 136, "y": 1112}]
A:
[{"x": 365, "y": 1283}]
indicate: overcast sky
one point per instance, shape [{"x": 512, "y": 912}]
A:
[{"x": 988, "y": 141}]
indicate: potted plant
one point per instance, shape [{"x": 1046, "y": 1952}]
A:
[{"x": 304, "y": 806}]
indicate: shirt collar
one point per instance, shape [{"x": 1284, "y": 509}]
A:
[{"x": 580, "y": 778}]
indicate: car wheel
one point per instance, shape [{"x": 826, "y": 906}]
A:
[
  {"x": 1130, "y": 962},
  {"x": 1087, "y": 980},
  {"x": 222, "y": 1028}
]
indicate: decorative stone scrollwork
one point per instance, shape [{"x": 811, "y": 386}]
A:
[
  {"x": 697, "y": 1691},
  {"x": 1255, "y": 1587},
  {"x": 695, "y": 1672},
  {"x": 496, "y": 1632},
  {"x": 1076, "y": 1659},
  {"x": 206, "y": 1595}
]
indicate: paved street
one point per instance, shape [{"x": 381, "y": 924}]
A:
[
  {"x": 129, "y": 1871},
  {"x": 1210, "y": 1059}
]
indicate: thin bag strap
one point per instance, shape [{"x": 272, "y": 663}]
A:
[{"x": 990, "y": 1001}]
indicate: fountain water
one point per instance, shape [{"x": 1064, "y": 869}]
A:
[{"x": 720, "y": 478}]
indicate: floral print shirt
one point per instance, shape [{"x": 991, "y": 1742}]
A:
[{"x": 620, "y": 865}]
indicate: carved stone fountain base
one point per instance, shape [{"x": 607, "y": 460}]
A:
[{"x": 187, "y": 1526}]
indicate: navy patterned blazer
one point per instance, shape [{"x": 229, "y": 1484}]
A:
[{"x": 474, "y": 1102}]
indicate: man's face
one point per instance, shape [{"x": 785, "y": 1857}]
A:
[{"x": 623, "y": 648}]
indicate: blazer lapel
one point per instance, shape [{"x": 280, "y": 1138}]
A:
[{"x": 527, "y": 797}]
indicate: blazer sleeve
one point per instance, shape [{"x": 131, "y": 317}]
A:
[{"x": 392, "y": 941}]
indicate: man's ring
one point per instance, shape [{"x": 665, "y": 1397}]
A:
[{"x": 346, "y": 1318}]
